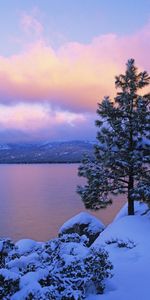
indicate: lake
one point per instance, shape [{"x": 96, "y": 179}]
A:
[{"x": 35, "y": 200}]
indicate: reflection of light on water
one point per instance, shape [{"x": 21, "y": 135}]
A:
[{"x": 37, "y": 199}]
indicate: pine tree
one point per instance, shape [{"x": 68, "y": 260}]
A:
[{"x": 122, "y": 153}]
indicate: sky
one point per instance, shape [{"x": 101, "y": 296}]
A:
[{"x": 58, "y": 59}]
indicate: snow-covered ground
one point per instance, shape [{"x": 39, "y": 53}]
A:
[
  {"x": 30, "y": 268},
  {"x": 127, "y": 240}
]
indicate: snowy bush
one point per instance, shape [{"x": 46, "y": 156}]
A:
[
  {"x": 73, "y": 276},
  {"x": 6, "y": 247},
  {"x": 9, "y": 283},
  {"x": 122, "y": 243},
  {"x": 63, "y": 268}
]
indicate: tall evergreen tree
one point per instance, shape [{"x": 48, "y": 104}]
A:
[{"x": 122, "y": 152}]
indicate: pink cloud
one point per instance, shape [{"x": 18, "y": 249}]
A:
[
  {"x": 31, "y": 24},
  {"x": 75, "y": 76},
  {"x": 34, "y": 117}
]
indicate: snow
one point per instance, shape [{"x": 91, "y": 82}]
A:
[
  {"x": 41, "y": 270},
  {"x": 131, "y": 266},
  {"x": 27, "y": 245},
  {"x": 23, "y": 261},
  {"x": 94, "y": 225},
  {"x": 140, "y": 208},
  {"x": 78, "y": 250},
  {"x": 126, "y": 239},
  {"x": 34, "y": 287},
  {"x": 8, "y": 274}
]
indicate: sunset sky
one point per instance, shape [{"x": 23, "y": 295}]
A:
[{"x": 58, "y": 58}]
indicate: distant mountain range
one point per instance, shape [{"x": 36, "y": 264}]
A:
[{"x": 47, "y": 152}]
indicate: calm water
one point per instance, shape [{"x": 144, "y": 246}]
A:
[{"x": 35, "y": 200}]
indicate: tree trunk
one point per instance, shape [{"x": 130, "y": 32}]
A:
[{"x": 130, "y": 198}]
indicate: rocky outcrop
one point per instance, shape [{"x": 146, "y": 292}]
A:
[{"x": 83, "y": 224}]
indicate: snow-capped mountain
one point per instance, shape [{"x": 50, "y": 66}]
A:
[{"x": 47, "y": 152}]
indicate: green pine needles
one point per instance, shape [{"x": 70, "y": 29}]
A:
[{"x": 122, "y": 153}]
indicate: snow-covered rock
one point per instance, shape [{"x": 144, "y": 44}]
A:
[{"x": 83, "y": 224}]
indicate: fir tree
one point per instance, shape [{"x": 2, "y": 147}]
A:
[{"x": 122, "y": 153}]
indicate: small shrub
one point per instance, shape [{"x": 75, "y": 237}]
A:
[
  {"x": 129, "y": 244},
  {"x": 9, "y": 283},
  {"x": 71, "y": 274},
  {"x": 6, "y": 246}
]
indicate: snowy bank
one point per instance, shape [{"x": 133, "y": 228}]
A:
[
  {"x": 63, "y": 268},
  {"x": 66, "y": 267},
  {"x": 127, "y": 241}
]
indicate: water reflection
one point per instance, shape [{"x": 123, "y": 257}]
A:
[{"x": 37, "y": 199}]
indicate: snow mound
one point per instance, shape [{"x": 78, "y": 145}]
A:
[
  {"x": 83, "y": 224},
  {"x": 127, "y": 241},
  {"x": 27, "y": 245}
]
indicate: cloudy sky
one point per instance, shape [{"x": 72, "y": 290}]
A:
[{"x": 58, "y": 58}]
